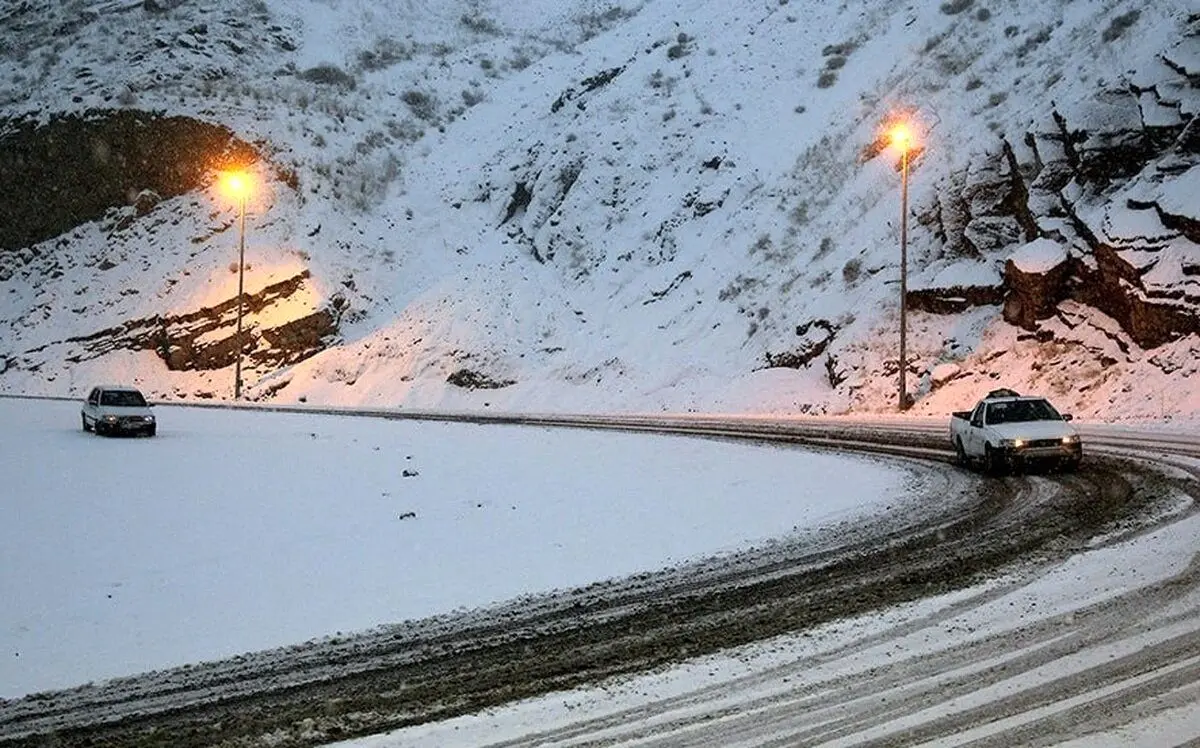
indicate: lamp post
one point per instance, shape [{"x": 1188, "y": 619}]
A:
[
  {"x": 902, "y": 138},
  {"x": 238, "y": 185}
]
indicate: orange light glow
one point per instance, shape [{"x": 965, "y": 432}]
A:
[
  {"x": 237, "y": 184},
  {"x": 901, "y": 136}
]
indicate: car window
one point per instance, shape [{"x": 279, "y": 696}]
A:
[
  {"x": 997, "y": 413},
  {"x": 1020, "y": 411},
  {"x": 1035, "y": 410},
  {"x": 123, "y": 399}
]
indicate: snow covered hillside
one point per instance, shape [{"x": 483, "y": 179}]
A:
[{"x": 578, "y": 205}]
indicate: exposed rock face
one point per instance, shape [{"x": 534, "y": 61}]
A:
[
  {"x": 1149, "y": 317},
  {"x": 1033, "y": 296},
  {"x": 954, "y": 299},
  {"x": 815, "y": 337},
  {"x": 73, "y": 169},
  {"x": 1113, "y": 182},
  {"x": 207, "y": 338},
  {"x": 118, "y": 166},
  {"x": 1036, "y": 281}
]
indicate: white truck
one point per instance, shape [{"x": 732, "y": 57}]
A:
[{"x": 1006, "y": 430}]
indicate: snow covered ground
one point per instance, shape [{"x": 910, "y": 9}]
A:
[
  {"x": 235, "y": 531},
  {"x": 1101, "y": 649},
  {"x": 239, "y": 531},
  {"x": 828, "y": 687}
]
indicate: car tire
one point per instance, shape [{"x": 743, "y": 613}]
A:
[
  {"x": 99, "y": 429},
  {"x": 152, "y": 430},
  {"x": 85, "y": 426},
  {"x": 1070, "y": 466},
  {"x": 960, "y": 454},
  {"x": 991, "y": 460}
]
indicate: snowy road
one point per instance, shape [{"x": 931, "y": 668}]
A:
[{"x": 1022, "y": 610}]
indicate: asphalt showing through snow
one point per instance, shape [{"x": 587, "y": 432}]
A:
[{"x": 970, "y": 529}]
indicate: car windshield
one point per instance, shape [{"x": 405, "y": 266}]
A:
[
  {"x": 123, "y": 398},
  {"x": 1016, "y": 411}
]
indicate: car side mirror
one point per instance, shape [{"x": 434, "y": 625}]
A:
[{"x": 1068, "y": 417}]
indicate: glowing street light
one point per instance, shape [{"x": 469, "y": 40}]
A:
[
  {"x": 238, "y": 185},
  {"x": 901, "y": 136}
]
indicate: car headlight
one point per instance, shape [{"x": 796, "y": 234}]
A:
[
  {"x": 1012, "y": 443},
  {"x": 1071, "y": 439},
  {"x": 110, "y": 419}
]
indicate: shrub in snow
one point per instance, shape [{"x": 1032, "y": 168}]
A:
[
  {"x": 421, "y": 104},
  {"x": 592, "y": 24},
  {"x": 387, "y": 52},
  {"x": 1034, "y": 41},
  {"x": 471, "y": 96},
  {"x": 479, "y": 24},
  {"x": 954, "y": 7},
  {"x": 851, "y": 271},
  {"x": 473, "y": 380},
  {"x": 681, "y": 47},
  {"x": 1117, "y": 28},
  {"x": 659, "y": 80},
  {"x": 842, "y": 49},
  {"x": 737, "y": 287},
  {"x": 520, "y": 59},
  {"x": 328, "y": 75}
]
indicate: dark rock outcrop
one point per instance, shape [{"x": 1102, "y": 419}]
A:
[
  {"x": 470, "y": 379},
  {"x": 1035, "y": 285},
  {"x": 72, "y": 169},
  {"x": 815, "y": 337},
  {"x": 1114, "y": 287},
  {"x": 1111, "y": 180},
  {"x": 207, "y": 338},
  {"x": 954, "y": 299}
]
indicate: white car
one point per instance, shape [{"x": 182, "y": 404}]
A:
[
  {"x": 117, "y": 409},
  {"x": 1008, "y": 430}
]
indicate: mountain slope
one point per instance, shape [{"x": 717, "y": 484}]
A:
[{"x": 679, "y": 205}]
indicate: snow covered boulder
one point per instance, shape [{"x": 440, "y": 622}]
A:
[
  {"x": 943, "y": 373},
  {"x": 1035, "y": 277}
]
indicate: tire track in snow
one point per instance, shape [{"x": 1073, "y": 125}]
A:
[{"x": 965, "y": 530}]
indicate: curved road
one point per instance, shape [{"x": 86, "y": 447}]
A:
[{"x": 962, "y": 530}]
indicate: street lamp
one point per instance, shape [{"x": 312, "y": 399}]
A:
[
  {"x": 901, "y": 137},
  {"x": 237, "y": 184}
]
